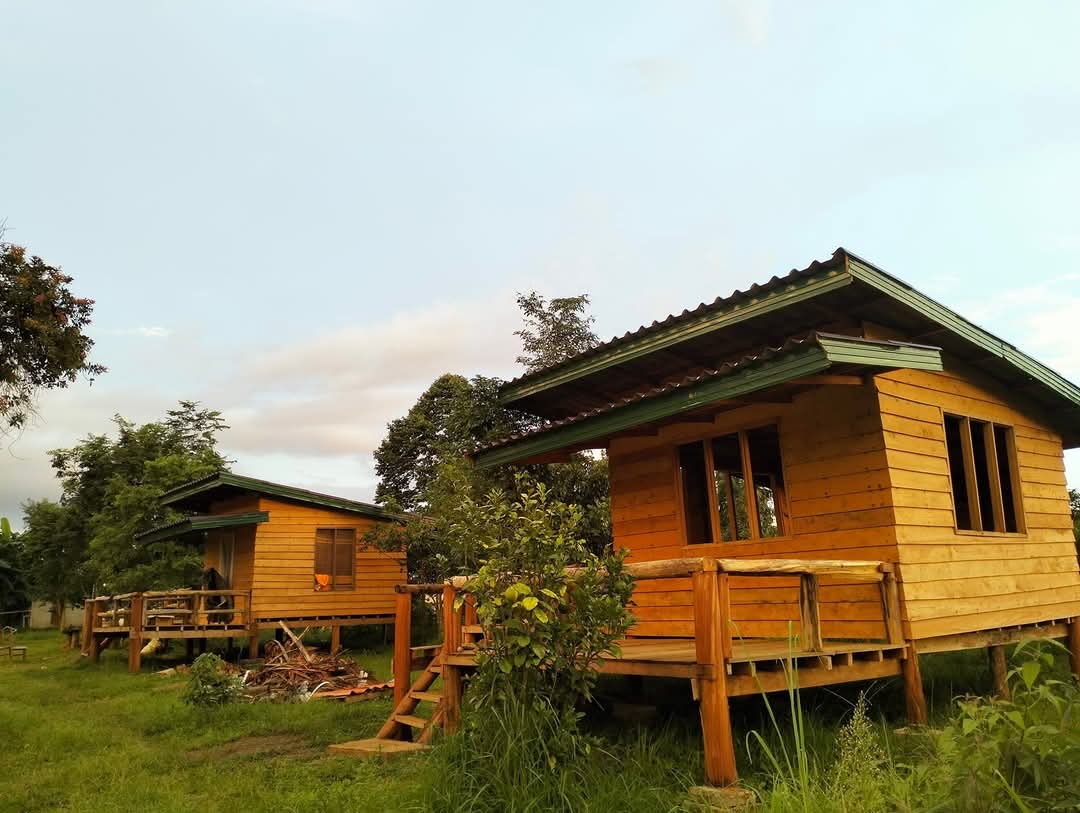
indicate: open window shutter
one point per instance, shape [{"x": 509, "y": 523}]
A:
[
  {"x": 324, "y": 559},
  {"x": 344, "y": 558}
]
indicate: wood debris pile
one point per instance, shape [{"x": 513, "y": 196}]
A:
[{"x": 291, "y": 670}]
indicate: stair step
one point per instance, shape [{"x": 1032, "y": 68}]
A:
[
  {"x": 429, "y": 697},
  {"x": 411, "y": 720},
  {"x": 368, "y": 749},
  {"x": 473, "y": 629},
  {"x": 427, "y": 649}
]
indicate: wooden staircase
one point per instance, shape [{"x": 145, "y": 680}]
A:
[{"x": 405, "y": 731}]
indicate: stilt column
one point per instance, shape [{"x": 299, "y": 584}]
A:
[
  {"x": 914, "y": 699},
  {"x": 135, "y": 637},
  {"x": 999, "y": 671},
  {"x": 713, "y": 646}
]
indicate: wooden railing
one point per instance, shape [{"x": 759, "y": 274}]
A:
[
  {"x": 168, "y": 611},
  {"x": 712, "y": 640}
]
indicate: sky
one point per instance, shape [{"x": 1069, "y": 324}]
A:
[{"x": 302, "y": 212}]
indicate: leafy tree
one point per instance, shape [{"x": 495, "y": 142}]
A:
[
  {"x": 54, "y": 554},
  {"x": 14, "y": 594},
  {"x": 42, "y": 340},
  {"x": 554, "y": 330},
  {"x": 1074, "y": 507},
  {"x": 111, "y": 487}
]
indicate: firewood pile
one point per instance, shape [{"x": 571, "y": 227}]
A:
[{"x": 292, "y": 670}]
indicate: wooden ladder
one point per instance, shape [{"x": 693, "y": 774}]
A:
[{"x": 403, "y": 721}]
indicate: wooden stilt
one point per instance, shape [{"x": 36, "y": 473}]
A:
[
  {"x": 135, "y": 638},
  {"x": 202, "y": 646},
  {"x": 1074, "y": 646},
  {"x": 335, "y": 637},
  {"x": 253, "y": 643},
  {"x": 999, "y": 671},
  {"x": 402, "y": 642},
  {"x": 914, "y": 699},
  {"x": 451, "y": 675},
  {"x": 713, "y": 644}
]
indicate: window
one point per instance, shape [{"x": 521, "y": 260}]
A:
[
  {"x": 717, "y": 504},
  {"x": 982, "y": 466},
  {"x": 335, "y": 558}
]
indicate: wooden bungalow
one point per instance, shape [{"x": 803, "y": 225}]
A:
[
  {"x": 829, "y": 471},
  {"x": 272, "y": 553}
]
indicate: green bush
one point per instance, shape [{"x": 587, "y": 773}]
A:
[
  {"x": 210, "y": 683},
  {"x": 1018, "y": 754},
  {"x": 521, "y": 746}
]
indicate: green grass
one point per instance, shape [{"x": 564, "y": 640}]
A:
[{"x": 80, "y": 737}]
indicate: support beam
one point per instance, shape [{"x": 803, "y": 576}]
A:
[
  {"x": 914, "y": 699},
  {"x": 711, "y": 642},
  {"x": 253, "y": 641},
  {"x": 135, "y": 638},
  {"x": 335, "y": 638},
  {"x": 810, "y": 615},
  {"x": 402, "y": 640},
  {"x": 999, "y": 671},
  {"x": 1074, "y": 646},
  {"x": 451, "y": 674}
]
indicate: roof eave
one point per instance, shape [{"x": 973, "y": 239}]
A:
[
  {"x": 190, "y": 525},
  {"x": 828, "y": 351}
]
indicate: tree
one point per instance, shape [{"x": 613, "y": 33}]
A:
[
  {"x": 43, "y": 344},
  {"x": 1074, "y": 508},
  {"x": 553, "y": 330},
  {"x": 54, "y": 552},
  {"x": 14, "y": 594},
  {"x": 111, "y": 490}
]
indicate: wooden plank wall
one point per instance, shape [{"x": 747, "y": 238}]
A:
[
  {"x": 283, "y": 583},
  {"x": 962, "y": 582},
  {"x": 839, "y": 494}
]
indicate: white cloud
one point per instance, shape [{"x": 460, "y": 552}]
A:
[{"x": 155, "y": 332}]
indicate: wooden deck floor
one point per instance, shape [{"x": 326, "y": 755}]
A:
[{"x": 757, "y": 666}]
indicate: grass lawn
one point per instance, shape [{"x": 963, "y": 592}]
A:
[{"x": 79, "y": 737}]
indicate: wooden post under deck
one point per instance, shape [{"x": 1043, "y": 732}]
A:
[
  {"x": 402, "y": 641},
  {"x": 1074, "y": 646},
  {"x": 999, "y": 671},
  {"x": 712, "y": 642},
  {"x": 451, "y": 675},
  {"x": 914, "y": 699},
  {"x": 335, "y": 637},
  {"x": 135, "y": 630},
  {"x": 93, "y": 645}
]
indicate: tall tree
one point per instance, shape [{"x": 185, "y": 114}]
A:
[
  {"x": 554, "y": 330},
  {"x": 54, "y": 554},
  {"x": 43, "y": 343},
  {"x": 111, "y": 487},
  {"x": 14, "y": 592}
]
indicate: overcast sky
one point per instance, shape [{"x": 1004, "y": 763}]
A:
[{"x": 301, "y": 213}]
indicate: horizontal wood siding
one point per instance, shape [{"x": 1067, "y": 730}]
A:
[
  {"x": 962, "y": 582},
  {"x": 283, "y": 583},
  {"x": 839, "y": 493}
]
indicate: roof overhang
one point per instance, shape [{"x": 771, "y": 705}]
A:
[
  {"x": 818, "y": 297},
  {"x": 796, "y": 360},
  {"x": 184, "y": 527},
  {"x": 197, "y": 495}
]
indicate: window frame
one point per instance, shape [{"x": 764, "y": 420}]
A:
[
  {"x": 782, "y": 508},
  {"x": 332, "y": 586},
  {"x": 993, "y": 466}
]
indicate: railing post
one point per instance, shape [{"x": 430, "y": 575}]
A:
[
  {"x": 451, "y": 675},
  {"x": 402, "y": 644},
  {"x": 252, "y": 625},
  {"x": 135, "y": 630},
  {"x": 890, "y": 608},
  {"x": 810, "y": 612},
  {"x": 712, "y": 642}
]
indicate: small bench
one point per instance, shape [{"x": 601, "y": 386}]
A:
[{"x": 8, "y": 645}]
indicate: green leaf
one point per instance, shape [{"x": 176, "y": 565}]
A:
[
  {"x": 504, "y": 666},
  {"x": 541, "y": 616},
  {"x": 1029, "y": 672},
  {"x": 530, "y": 603}
]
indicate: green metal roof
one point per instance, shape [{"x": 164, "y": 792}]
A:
[
  {"x": 844, "y": 285},
  {"x": 189, "y": 525},
  {"x": 797, "y": 358},
  {"x": 200, "y": 492}
]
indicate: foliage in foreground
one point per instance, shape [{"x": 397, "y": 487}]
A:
[
  {"x": 521, "y": 746},
  {"x": 210, "y": 683},
  {"x": 992, "y": 755}
]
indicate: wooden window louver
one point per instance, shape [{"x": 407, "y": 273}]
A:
[{"x": 335, "y": 559}]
